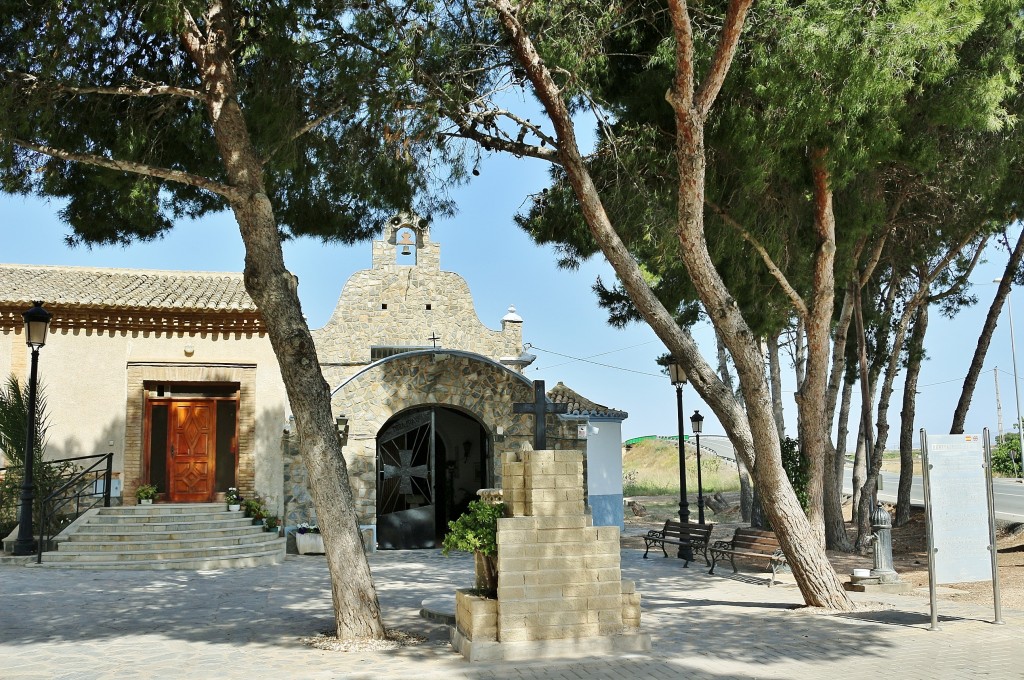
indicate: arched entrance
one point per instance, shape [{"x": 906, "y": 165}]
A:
[{"x": 431, "y": 460}]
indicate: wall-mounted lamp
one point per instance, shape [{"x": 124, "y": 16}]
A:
[{"x": 342, "y": 427}]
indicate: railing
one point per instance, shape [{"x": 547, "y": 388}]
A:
[{"x": 84, "y": 489}]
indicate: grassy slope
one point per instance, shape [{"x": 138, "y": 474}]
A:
[{"x": 651, "y": 468}]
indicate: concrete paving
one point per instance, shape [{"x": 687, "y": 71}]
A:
[{"x": 247, "y": 623}]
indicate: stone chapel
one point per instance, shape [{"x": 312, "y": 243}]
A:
[{"x": 138, "y": 362}]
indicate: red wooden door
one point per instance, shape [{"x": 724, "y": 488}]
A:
[{"x": 191, "y": 454}]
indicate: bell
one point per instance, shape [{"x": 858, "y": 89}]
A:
[{"x": 406, "y": 250}]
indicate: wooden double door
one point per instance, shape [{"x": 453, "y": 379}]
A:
[{"x": 192, "y": 447}]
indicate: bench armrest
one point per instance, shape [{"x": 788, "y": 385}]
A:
[
  {"x": 779, "y": 556},
  {"x": 654, "y": 533},
  {"x": 722, "y": 545}
]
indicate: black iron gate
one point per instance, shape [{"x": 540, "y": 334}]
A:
[{"x": 407, "y": 454}]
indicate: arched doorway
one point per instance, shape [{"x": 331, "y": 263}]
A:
[{"x": 431, "y": 461}]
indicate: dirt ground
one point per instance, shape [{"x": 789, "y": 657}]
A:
[{"x": 910, "y": 557}]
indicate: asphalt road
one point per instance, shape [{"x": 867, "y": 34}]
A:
[{"x": 1008, "y": 493}]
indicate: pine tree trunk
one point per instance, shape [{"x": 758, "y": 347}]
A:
[
  {"x": 915, "y": 355},
  {"x": 835, "y": 455},
  {"x": 274, "y": 290},
  {"x": 811, "y": 397},
  {"x": 775, "y": 374},
  {"x": 746, "y": 490},
  {"x": 985, "y": 339}
]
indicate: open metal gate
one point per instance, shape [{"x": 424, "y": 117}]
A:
[{"x": 406, "y": 463}]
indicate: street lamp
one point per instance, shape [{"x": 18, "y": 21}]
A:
[
  {"x": 678, "y": 377},
  {"x": 37, "y": 320},
  {"x": 697, "y": 421},
  {"x": 1016, "y": 383}
]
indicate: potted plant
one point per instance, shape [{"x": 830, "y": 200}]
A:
[
  {"x": 476, "y": 531},
  {"x": 271, "y": 524},
  {"x": 233, "y": 499},
  {"x": 254, "y": 508},
  {"x": 308, "y": 539},
  {"x": 146, "y": 493}
]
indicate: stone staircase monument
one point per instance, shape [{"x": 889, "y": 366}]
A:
[{"x": 560, "y": 587}]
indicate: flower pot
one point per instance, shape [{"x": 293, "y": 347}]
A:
[
  {"x": 235, "y": 507},
  {"x": 145, "y": 501},
  {"x": 257, "y": 521},
  {"x": 309, "y": 543}
]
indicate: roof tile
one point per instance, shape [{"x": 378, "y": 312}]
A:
[{"x": 123, "y": 288}]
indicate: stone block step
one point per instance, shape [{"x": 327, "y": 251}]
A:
[
  {"x": 90, "y": 534},
  {"x": 274, "y": 555},
  {"x": 102, "y": 543},
  {"x": 169, "y": 523},
  {"x": 213, "y": 551},
  {"x": 142, "y": 519},
  {"x": 168, "y": 509}
]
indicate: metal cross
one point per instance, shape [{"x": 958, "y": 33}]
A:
[
  {"x": 434, "y": 337},
  {"x": 405, "y": 471},
  {"x": 538, "y": 408}
]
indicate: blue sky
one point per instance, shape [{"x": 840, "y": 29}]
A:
[{"x": 562, "y": 321}]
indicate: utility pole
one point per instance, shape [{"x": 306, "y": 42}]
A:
[{"x": 999, "y": 404}]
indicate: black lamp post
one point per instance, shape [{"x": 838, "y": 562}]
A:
[
  {"x": 697, "y": 421},
  {"x": 37, "y": 320},
  {"x": 678, "y": 376}
]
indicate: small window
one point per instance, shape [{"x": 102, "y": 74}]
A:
[
  {"x": 428, "y": 306},
  {"x": 383, "y": 305}
]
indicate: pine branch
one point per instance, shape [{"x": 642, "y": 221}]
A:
[
  {"x": 735, "y": 17},
  {"x": 773, "y": 269},
  {"x": 311, "y": 125},
  {"x": 144, "y": 89},
  {"x": 178, "y": 176}
]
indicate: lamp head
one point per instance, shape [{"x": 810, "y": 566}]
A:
[
  {"x": 676, "y": 374},
  {"x": 37, "y": 321},
  {"x": 697, "y": 422}
]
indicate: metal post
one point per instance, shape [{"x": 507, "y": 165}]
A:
[
  {"x": 992, "y": 545},
  {"x": 25, "y": 543},
  {"x": 108, "y": 476},
  {"x": 1016, "y": 382},
  {"x": 925, "y": 469},
  {"x": 685, "y": 551},
  {"x": 700, "y": 485}
]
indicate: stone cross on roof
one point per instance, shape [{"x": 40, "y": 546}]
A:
[{"x": 538, "y": 408}]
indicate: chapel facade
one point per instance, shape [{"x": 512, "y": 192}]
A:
[{"x": 173, "y": 373}]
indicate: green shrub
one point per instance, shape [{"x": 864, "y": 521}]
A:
[
  {"x": 795, "y": 462},
  {"x": 476, "y": 530},
  {"x": 1006, "y": 456}
]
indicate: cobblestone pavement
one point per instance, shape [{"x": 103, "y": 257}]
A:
[{"x": 247, "y": 623}]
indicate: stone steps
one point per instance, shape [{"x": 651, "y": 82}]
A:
[{"x": 164, "y": 536}]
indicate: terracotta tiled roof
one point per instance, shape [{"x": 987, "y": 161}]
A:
[
  {"x": 580, "y": 406},
  {"x": 91, "y": 288}
]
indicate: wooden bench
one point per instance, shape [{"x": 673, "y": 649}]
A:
[
  {"x": 695, "y": 536},
  {"x": 747, "y": 542}
]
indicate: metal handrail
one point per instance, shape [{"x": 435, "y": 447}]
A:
[{"x": 48, "y": 505}]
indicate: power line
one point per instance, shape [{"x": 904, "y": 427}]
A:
[{"x": 595, "y": 363}]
